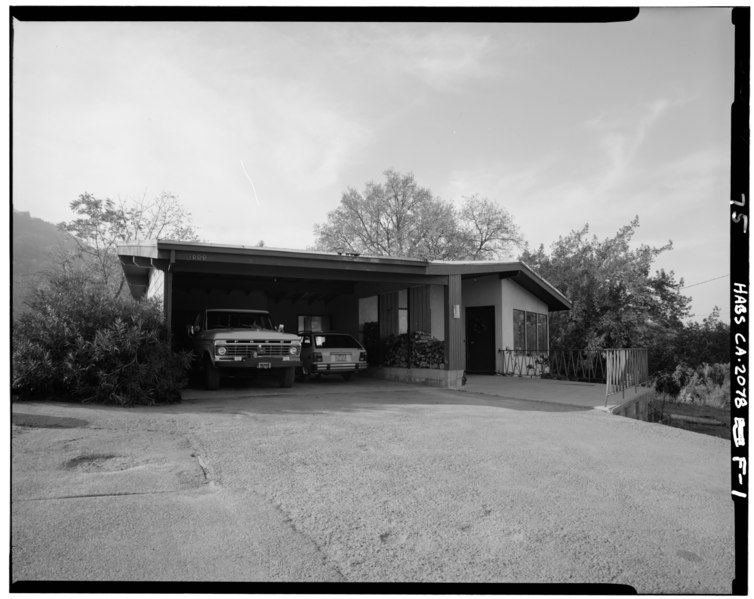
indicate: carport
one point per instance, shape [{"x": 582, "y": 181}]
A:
[{"x": 302, "y": 288}]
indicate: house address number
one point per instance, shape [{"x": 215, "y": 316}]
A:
[{"x": 198, "y": 257}]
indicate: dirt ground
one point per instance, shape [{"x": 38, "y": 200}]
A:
[{"x": 367, "y": 482}]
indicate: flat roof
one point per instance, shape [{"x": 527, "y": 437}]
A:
[{"x": 137, "y": 258}]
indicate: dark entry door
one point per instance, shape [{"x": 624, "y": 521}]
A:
[{"x": 480, "y": 339}]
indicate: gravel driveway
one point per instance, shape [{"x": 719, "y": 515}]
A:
[{"x": 367, "y": 481}]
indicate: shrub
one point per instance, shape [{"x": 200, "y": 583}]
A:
[
  {"x": 666, "y": 384},
  {"x": 708, "y": 385},
  {"x": 668, "y": 387},
  {"x": 80, "y": 343}
]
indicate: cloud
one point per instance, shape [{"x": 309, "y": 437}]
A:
[
  {"x": 443, "y": 59},
  {"x": 620, "y": 138},
  {"x": 510, "y": 185}
]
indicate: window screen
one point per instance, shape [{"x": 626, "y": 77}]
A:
[
  {"x": 542, "y": 332},
  {"x": 519, "y": 335},
  {"x": 529, "y": 331}
]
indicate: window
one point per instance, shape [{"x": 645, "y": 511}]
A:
[
  {"x": 542, "y": 332},
  {"x": 529, "y": 331},
  {"x": 313, "y": 323},
  {"x": 402, "y": 312},
  {"x": 217, "y": 319},
  {"x": 519, "y": 330},
  {"x": 336, "y": 342}
]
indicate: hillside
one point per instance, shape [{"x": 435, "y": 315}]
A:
[{"x": 36, "y": 243}]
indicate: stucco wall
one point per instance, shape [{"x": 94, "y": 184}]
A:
[{"x": 156, "y": 287}]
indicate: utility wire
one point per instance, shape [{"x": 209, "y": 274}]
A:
[{"x": 707, "y": 281}]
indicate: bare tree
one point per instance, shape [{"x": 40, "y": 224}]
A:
[
  {"x": 400, "y": 218},
  {"x": 490, "y": 229},
  {"x": 103, "y": 224}
]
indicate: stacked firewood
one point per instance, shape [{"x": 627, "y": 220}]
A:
[{"x": 414, "y": 350}]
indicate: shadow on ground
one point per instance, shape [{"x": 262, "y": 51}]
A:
[
  {"x": 334, "y": 395},
  {"x": 325, "y": 395}
]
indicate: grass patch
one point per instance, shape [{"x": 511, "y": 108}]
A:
[{"x": 683, "y": 414}]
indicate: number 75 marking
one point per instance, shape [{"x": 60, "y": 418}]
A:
[{"x": 738, "y": 217}]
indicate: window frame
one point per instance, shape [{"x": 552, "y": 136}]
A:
[{"x": 527, "y": 327}]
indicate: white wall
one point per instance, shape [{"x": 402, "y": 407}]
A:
[{"x": 156, "y": 287}]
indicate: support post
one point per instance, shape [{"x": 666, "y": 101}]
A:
[
  {"x": 168, "y": 302},
  {"x": 454, "y": 342}
]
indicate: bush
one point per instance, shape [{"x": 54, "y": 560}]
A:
[
  {"x": 666, "y": 384},
  {"x": 81, "y": 344},
  {"x": 709, "y": 384}
]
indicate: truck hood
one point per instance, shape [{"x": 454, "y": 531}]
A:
[{"x": 251, "y": 335}]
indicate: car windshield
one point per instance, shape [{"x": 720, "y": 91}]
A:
[
  {"x": 336, "y": 341},
  {"x": 238, "y": 320}
]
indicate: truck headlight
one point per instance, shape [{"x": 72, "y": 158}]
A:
[
  {"x": 221, "y": 350},
  {"x": 293, "y": 350}
]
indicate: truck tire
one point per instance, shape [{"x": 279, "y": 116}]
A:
[
  {"x": 287, "y": 375},
  {"x": 211, "y": 376}
]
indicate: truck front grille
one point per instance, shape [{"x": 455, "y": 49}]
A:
[{"x": 266, "y": 350}]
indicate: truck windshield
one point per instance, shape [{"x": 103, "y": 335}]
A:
[{"x": 238, "y": 320}]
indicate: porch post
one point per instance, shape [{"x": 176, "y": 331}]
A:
[
  {"x": 167, "y": 290},
  {"x": 168, "y": 302},
  {"x": 454, "y": 343}
]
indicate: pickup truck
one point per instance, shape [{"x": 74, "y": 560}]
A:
[{"x": 242, "y": 343}]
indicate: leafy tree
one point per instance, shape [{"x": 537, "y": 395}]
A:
[
  {"x": 400, "y": 218},
  {"x": 705, "y": 342},
  {"x": 103, "y": 224},
  {"x": 617, "y": 302},
  {"x": 79, "y": 343}
]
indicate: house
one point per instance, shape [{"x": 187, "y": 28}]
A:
[{"x": 477, "y": 309}]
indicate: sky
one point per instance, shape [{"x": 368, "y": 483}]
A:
[{"x": 260, "y": 127}]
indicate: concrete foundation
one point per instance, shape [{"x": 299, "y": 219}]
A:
[
  {"x": 449, "y": 379},
  {"x": 637, "y": 407}
]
